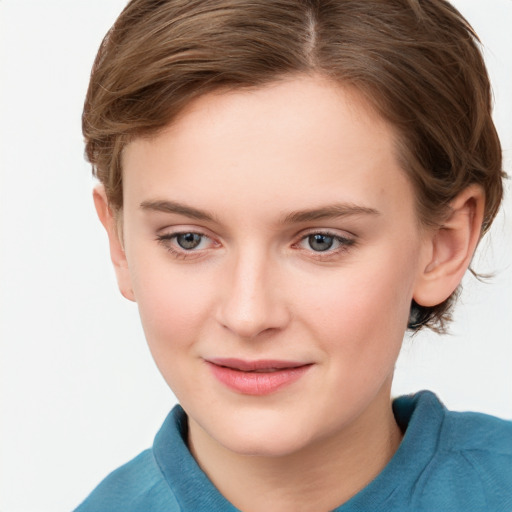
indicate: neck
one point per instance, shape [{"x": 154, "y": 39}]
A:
[{"x": 318, "y": 478}]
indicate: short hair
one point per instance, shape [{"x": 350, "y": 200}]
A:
[{"x": 417, "y": 62}]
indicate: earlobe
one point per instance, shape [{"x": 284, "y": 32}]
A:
[
  {"x": 451, "y": 248},
  {"x": 117, "y": 252}
]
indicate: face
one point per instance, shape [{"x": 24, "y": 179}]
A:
[{"x": 273, "y": 250}]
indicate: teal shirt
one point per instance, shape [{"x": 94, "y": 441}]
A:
[{"x": 447, "y": 462}]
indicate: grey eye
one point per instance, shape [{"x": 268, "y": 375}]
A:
[
  {"x": 319, "y": 242},
  {"x": 188, "y": 241}
]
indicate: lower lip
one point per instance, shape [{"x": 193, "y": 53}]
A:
[{"x": 257, "y": 383}]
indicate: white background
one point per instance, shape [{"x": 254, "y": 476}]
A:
[{"x": 79, "y": 392}]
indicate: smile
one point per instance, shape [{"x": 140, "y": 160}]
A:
[{"x": 256, "y": 377}]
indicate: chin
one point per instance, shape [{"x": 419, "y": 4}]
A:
[
  {"x": 264, "y": 446},
  {"x": 264, "y": 436}
]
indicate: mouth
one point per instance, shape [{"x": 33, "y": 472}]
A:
[{"x": 260, "y": 377}]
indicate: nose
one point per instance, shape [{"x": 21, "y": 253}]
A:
[{"x": 253, "y": 301}]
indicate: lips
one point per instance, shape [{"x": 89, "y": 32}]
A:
[{"x": 257, "y": 377}]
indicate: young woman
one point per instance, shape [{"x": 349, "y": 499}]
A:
[{"x": 288, "y": 186}]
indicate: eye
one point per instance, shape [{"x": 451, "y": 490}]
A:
[
  {"x": 186, "y": 244},
  {"x": 188, "y": 241},
  {"x": 325, "y": 242},
  {"x": 320, "y": 242}
]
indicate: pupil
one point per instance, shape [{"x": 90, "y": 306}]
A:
[
  {"x": 188, "y": 240},
  {"x": 320, "y": 242}
]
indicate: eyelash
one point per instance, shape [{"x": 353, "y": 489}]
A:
[
  {"x": 167, "y": 240},
  {"x": 345, "y": 243}
]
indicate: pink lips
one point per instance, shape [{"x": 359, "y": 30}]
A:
[{"x": 256, "y": 377}]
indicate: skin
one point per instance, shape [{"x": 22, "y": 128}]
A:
[{"x": 255, "y": 288}]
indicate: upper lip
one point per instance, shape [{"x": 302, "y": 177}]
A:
[{"x": 261, "y": 364}]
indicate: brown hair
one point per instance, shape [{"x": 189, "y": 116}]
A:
[{"x": 416, "y": 61}]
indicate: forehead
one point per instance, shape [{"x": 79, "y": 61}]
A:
[{"x": 304, "y": 140}]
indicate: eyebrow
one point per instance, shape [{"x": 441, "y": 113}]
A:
[
  {"x": 296, "y": 217},
  {"x": 179, "y": 208},
  {"x": 332, "y": 211}
]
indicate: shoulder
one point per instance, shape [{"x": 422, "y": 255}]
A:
[
  {"x": 482, "y": 446},
  {"x": 472, "y": 461},
  {"x": 137, "y": 486},
  {"x": 477, "y": 432}
]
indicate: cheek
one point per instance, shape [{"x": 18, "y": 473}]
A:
[
  {"x": 173, "y": 305},
  {"x": 175, "y": 312},
  {"x": 362, "y": 308}
]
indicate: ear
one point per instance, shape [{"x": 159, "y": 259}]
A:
[
  {"x": 450, "y": 248},
  {"x": 117, "y": 254}
]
